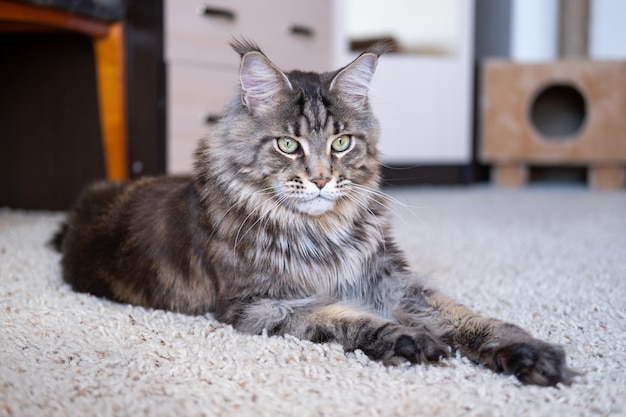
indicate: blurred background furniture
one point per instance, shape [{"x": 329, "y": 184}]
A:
[
  {"x": 551, "y": 107},
  {"x": 108, "y": 46},
  {"x": 422, "y": 92},
  {"x": 561, "y": 113},
  {"x": 203, "y": 70},
  {"x": 82, "y": 97},
  {"x": 179, "y": 72}
]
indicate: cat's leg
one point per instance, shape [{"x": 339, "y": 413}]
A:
[
  {"x": 351, "y": 326},
  {"x": 500, "y": 346}
]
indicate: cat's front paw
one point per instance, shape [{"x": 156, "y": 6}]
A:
[
  {"x": 534, "y": 362},
  {"x": 398, "y": 344}
]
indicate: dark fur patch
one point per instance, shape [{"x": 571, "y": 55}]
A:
[{"x": 57, "y": 240}]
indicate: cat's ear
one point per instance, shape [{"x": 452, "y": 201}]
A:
[
  {"x": 353, "y": 81},
  {"x": 262, "y": 83}
]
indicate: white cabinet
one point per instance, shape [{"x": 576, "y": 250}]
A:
[
  {"x": 202, "y": 70},
  {"x": 196, "y": 97},
  {"x": 424, "y": 108},
  {"x": 423, "y": 101}
]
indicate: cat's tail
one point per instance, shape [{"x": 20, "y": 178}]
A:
[{"x": 56, "y": 242}]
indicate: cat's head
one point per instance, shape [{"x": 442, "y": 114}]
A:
[{"x": 305, "y": 140}]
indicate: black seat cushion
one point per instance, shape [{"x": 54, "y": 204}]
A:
[{"x": 105, "y": 10}]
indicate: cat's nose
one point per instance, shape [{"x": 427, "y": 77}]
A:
[{"x": 320, "y": 182}]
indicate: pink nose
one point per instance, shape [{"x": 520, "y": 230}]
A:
[{"x": 320, "y": 182}]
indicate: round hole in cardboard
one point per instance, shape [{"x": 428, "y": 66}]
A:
[{"x": 558, "y": 112}]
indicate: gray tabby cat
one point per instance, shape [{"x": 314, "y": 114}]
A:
[{"x": 282, "y": 227}]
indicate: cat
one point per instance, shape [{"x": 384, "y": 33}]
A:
[{"x": 282, "y": 228}]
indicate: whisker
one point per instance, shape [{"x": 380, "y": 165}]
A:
[
  {"x": 266, "y": 217},
  {"x": 389, "y": 203},
  {"x": 387, "y": 197},
  {"x": 399, "y": 168},
  {"x": 261, "y": 217},
  {"x": 241, "y": 227},
  {"x": 237, "y": 203},
  {"x": 374, "y": 216}
]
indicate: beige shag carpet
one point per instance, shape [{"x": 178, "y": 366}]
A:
[{"x": 550, "y": 259}]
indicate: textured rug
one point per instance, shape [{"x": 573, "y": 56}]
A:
[{"x": 551, "y": 260}]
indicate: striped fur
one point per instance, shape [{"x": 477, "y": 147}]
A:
[{"x": 283, "y": 228}]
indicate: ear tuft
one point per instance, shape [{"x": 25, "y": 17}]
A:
[
  {"x": 243, "y": 45},
  {"x": 262, "y": 83},
  {"x": 353, "y": 81}
]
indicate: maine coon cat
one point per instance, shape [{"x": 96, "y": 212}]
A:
[{"x": 282, "y": 227}]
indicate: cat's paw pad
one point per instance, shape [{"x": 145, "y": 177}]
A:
[
  {"x": 535, "y": 362},
  {"x": 406, "y": 344}
]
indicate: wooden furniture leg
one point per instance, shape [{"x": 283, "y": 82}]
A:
[
  {"x": 510, "y": 175},
  {"x": 607, "y": 177},
  {"x": 109, "y": 57}
]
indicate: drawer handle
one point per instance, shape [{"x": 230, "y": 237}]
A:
[
  {"x": 300, "y": 30},
  {"x": 215, "y": 12},
  {"x": 211, "y": 119}
]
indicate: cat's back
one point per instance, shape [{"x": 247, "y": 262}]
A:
[
  {"x": 105, "y": 205},
  {"x": 137, "y": 242}
]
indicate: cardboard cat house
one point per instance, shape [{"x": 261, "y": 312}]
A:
[{"x": 562, "y": 113}]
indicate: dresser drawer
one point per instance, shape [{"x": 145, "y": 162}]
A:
[
  {"x": 305, "y": 37},
  {"x": 289, "y": 31},
  {"x": 195, "y": 94}
]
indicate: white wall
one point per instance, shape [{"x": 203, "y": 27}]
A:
[
  {"x": 534, "y": 30},
  {"x": 607, "y": 31}
]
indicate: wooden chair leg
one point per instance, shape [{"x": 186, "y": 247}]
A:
[{"x": 109, "y": 57}]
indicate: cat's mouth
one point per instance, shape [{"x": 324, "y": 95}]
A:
[
  {"x": 316, "y": 205},
  {"x": 306, "y": 197}
]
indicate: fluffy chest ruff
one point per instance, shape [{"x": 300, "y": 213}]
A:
[{"x": 284, "y": 256}]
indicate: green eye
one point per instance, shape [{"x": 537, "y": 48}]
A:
[
  {"x": 341, "y": 143},
  {"x": 287, "y": 144}
]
